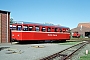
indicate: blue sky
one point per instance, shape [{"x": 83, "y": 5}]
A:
[{"x": 64, "y": 12}]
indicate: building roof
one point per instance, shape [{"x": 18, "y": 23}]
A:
[
  {"x": 84, "y": 25},
  {"x": 79, "y": 29},
  {"x": 3, "y": 11}
]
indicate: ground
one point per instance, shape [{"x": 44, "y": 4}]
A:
[{"x": 30, "y": 51}]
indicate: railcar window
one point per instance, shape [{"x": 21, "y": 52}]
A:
[
  {"x": 56, "y": 29},
  {"x": 68, "y": 30},
  {"x": 19, "y": 28},
  {"x": 30, "y": 28},
  {"x": 13, "y": 27},
  {"x": 25, "y": 28},
  {"x": 64, "y": 30},
  {"x": 53, "y": 29},
  {"x": 49, "y": 30},
  {"x": 37, "y": 28},
  {"x": 43, "y": 29},
  {"x": 60, "y": 30}
]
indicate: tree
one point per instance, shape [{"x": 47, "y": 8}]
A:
[{"x": 11, "y": 20}]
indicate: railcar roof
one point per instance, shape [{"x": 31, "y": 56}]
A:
[
  {"x": 54, "y": 25},
  {"x": 42, "y": 24}
]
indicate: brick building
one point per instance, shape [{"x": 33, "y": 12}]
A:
[
  {"x": 4, "y": 26},
  {"x": 83, "y": 29}
]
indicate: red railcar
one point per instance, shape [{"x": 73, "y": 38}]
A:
[
  {"x": 76, "y": 35},
  {"x": 27, "y": 31}
]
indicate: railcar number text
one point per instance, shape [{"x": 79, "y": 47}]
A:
[{"x": 52, "y": 34}]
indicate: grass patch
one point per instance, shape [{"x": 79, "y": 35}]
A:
[{"x": 86, "y": 57}]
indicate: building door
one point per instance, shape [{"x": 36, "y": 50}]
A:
[{"x": 87, "y": 34}]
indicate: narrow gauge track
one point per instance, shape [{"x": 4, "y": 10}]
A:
[{"x": 67, "y": 53}]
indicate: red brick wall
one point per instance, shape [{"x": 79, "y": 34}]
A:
[
  {"x": 0, "y": 27},
  {"x": 4, "y": 28},
  {"x": 87, "y": 25}
]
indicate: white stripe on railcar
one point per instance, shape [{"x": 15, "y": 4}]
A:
[{"x": 40, "y": 32}]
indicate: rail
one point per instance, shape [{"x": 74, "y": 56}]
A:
[{"x": 67, "y": 53}]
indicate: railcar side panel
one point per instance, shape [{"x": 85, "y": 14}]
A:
[
  {"x": 27, "y": 35},
  {"x": 51, "y": 36}
]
